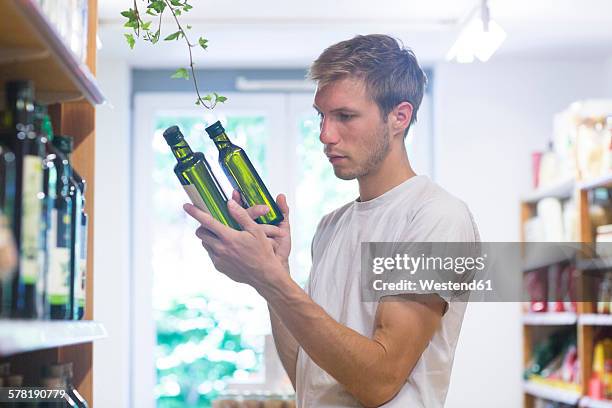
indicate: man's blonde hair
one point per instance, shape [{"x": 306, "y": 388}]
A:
[{"x": 391, "y": 73}]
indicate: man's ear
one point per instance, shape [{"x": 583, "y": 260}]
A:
[{"x": 400, "y": 117}]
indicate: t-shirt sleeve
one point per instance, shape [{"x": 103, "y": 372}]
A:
[{"x": 440, "y": 221}]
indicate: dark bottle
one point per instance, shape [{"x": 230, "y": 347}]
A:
[
  {"x": 28, "y": 227},
  {"x": 76, "y": 195},
  {"x": 242, "y": 175},
  {"x": 8, "y": 174},
  {"x": 197, "y": 178},
  {"x": 56, "y": 383},
  {"x": 65, "y": 372},
  {"x": 60, "y": 239},
  {"x": 42, "y": 125},
  {"x": 80, "y": 237}
]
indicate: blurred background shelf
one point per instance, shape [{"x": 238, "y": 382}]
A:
[
  {"x": 18, "y": 336},
  {"x": 550, "y": 319},
  {"x": 551, "y": 393},
  {"x": 593, "y": 403},
  {"x": 598, "y": 264},
  {"x": 592, "y": 319},
  {"x": 598, "y": 182},
  {"x": 561, "y": 190},
  {"x": 30, "y": 47}
]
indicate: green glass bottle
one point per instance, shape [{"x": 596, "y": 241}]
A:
[
  {"x": 197, "y": 178},
  {"x": 243, "y": 176},
  {"x": 8, "y": 174},
  {"x": 29, "y": 225},
  {"x": 76, "y": 191},
  {"x": 60, "y": 237}
]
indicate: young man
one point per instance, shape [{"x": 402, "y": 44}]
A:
[{"x": 338, "y": 350}]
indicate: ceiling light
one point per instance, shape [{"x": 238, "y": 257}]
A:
[{"x": 479, "y": 38}]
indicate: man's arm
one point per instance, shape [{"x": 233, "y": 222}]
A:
[
  {"x": 372, "y": 370},
  {"x": 286, "y": 345}
]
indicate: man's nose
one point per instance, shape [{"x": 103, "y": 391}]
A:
[{"x": 328, "y": 134}]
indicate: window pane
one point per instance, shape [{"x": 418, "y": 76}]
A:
[{"x": 210, "y": 329}]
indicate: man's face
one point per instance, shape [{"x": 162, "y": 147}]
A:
[{"x": 355, "y": 137}]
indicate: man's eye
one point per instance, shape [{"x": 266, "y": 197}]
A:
[{"x": 345, "y": 117}]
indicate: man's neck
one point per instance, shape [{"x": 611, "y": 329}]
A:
[{"x": 393, "y": 171}]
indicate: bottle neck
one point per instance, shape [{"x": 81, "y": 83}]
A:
[
  {"x": 181, "y": 150},
  {"x": 222, "y": 141}
]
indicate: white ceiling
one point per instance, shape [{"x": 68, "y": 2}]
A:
[{"x": 277, "y": 33}]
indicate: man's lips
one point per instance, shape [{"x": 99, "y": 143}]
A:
[{"x": 335, "y": 158}]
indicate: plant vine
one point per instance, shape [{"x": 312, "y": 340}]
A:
[{"x": 143, "y": 30}]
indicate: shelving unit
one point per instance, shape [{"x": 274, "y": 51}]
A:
[
  {"x": 550, "y": 319},
  {"x": 31, "y": 48},
  {"x": 585, "y": 320}
]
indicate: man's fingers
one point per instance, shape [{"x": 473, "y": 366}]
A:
[
  {"x": 272, "y": 231},
  {"x": 207, "y": 221},
  {"x": 281, "y": 200},
  {"x": 237, "y": 197},
  {"x": 257, "y": 211},
  {"x": 208, "y": 238},
  {"x": 241, "y": 216}
]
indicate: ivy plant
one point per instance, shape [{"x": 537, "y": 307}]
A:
[{"x": 145, "y": 22}]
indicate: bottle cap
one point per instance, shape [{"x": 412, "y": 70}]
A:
[
  {"x": 173, "y": 135},
  {"x": 215, "y": 129},
  {"x": 63, "y": 143}
]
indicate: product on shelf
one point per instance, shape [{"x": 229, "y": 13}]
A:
[
  {"x": 243, "y": 176},
  {"x": 555, "y": 221},
  {"x": 65, "y": 372},
  {"x": 56, "y": 383},
  {"x": 600, "y": 384},
  {"x": 600, "y": 209},
  {"x": 69, "y": 17},
  {"x": 555, "y": 358},
  {"x": 603, "y": 240},
  {"x": 541, "y": 403},
  {"x": 19, "y": 136},
  {"x": 552, "y": 288},
  {"x": 59, "y": 234},
  {"x": 197, "y": 178},
  {"x": 604, "y": 295},
  {"x": 77, "y": 197},
  {"x": 583, "y": 139},
  {"x": 42, "y": 202}
]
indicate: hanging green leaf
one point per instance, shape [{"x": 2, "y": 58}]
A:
[
  {"x": 203, "y": 42},
  {"x": 130, "y": 40},
  {"x": 173, "y": 36},
  {"x": 180, "y": 73}
]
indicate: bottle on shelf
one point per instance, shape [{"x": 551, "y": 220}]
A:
[
  {"x": 242, "y": 175},
  {"x": 8, "y": 256},
  {"x": 197, "y": 178},
  {"x": 59, "y": 236},
  {"x": 604, "y": 297},
  {"x": 56, "y": 383},
  {"x": 28, "y": 223},
  {"x": 80, "y": 248},
  {"x": 76, "y": 194},
  {"x": 65, "y": 372}
]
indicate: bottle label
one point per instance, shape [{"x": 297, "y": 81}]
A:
[
  {"x": 195, "y": 197},
  {"x": 58, "y": 280},
  {"x": 31, "y": 261},
  {"x": 82, "y": 269}
]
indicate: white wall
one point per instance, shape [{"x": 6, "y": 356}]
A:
[
  {"x": 488, "y": 120},
  {"x": 112, "y": 237}
]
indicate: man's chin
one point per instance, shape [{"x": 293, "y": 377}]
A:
[{"x": 344, "y": 174}]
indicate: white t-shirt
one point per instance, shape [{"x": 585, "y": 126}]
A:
[{"x": 417, "y": 210}]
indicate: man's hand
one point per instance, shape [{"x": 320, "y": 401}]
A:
[
  {"x": 282, "y": 241},
  {"x": 246, "y": 256}
]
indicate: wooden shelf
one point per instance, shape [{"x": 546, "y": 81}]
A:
[
  {"x": 588, "y": 402},
  {"x": 594, "y": 319},
  {"x": 551, "y": 393},
  {"x": 598, "y": 264},
  {"x": 18, "y": 336},
  {"x": 31, "y": 48},
  {"x": 550, "y": 319},
  {"x": 561, "y": 190},
  {"x": 601, "y": 181}
]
